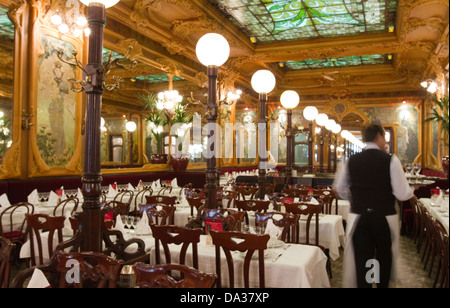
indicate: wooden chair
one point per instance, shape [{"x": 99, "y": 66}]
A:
[
  {"x": 49, "y": 268},
  {"x": 310, "y": 211},
  {"x": 69, "y": 204},
  {"x": 442, "y": 270},
  {"x": 228, "y": 196},
  {"x": 141, "y": 198},
  {"x": 179, "y": 236},
  {"x": 259, "y": 206},
  {"x": 37, "y": 224},
  {"x": 196, "y": 203},
  {"x": 159, "y": 276},
  {"x": 7, "y": 250},
  {"x": 288, "y": 222},
  {"x": 112, "y": 209},
  {"x": 126, "y": 197},
  {"x": 250, "y": 244},
  {"x": 95, "y": 270},
  {"x": 161, "y": 200},
  {"x": 326, "y": 198},
  {"x": 229, "y": 222},
  {"x": 129, "y": 251},
  {"x": 158, "y": 214},
  {"x": 195, "y": 193},
  {"x": 246, "y": 192},
  {"x": 13, "y": 223},
  {"x": 166, "y": 200}
]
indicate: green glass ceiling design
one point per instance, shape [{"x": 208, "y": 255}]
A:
[
  {"x": 6, "y": 26},
  {"x": 155, "y": 79},
  {"x": 339, "y": 62},
  {"x": 278, "y": 20}
]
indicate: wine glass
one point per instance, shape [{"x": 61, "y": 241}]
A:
[
  {"x": 409, "y": 168},
  {"x": 417, "y": 168}
]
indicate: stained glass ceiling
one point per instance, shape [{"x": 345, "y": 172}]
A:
[
  {"x": 279, "y": 20},
  {"x": 338, "y": 62},
  {"x": 6, "y": 26}
]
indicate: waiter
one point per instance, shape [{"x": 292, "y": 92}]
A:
[{"x": 372, "y": 181}]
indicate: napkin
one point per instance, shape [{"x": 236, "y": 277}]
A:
[
  {"x": 273, "y": 231},
  {"x": 53, "y": 199},
  {"x": 130, "y": 187},
  {"x": 119, "y": 224},
  {"x": 111, "y": 192},
  {"x": 174, "y": 183},
  {"x": 33, "y": 198},
  {"x": 314, "y": 201},
  {"x": 38, "y": 280},
  {"x": 80, "y": 196},
  {"x": 67, "y": 230},
  {"x": 439, "y": 199},
  {"x": 154, "y": 187},
  {"x": 4, "y": 201},
  {"x": 143, "y": 227}
]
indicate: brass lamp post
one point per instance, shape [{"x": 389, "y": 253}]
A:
[
  {"x": 289, "y": 100},
  {"x": 310, "y": 113},
  {"x": 94, "y": 84},
  {"x": 213, "y": 51},
  {"x": 263, "y": 82}
]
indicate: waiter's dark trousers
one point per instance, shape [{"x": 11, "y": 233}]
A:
[{"x": 372, "y": 240}]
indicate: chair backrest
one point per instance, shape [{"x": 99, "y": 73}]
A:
[
  {"x": 287, "y": 221},
  {"x": 125, "y": 196},
  {"x": 161, "y": 200},
  {"x": 227, "y": 195},
  {"x": 158, "y": 214},
  {"x": 140, "y": 199},
  {"x": 112, "y": 209},
  {"x": 195, "y": 203},
  {"x": 246, "y": 192},
  {"x": 69, "y": 204},
  {"x": 295, "y": 193},
  {"x": 88, "y": 270},
  {"x": 310, "y": 211},
  {"x": 260, "y": 206},
  {"x": 252, "y": 205},
  {"x": 53, "y": 226},
  {"x": 6, "y": 261},
  {"x": 195, "y": 193},
  {"x": 228, "y": 221},
  {"x": 159, "y": 276},
  {"x": 179, "y": 236},
  {"x": 248, "y": 244},
  {"x": 326, "y": 198},
  {"x": 13, "y": 223},
  {"x": 442, "y": 243}
]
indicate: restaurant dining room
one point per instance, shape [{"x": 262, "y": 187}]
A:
[{"x": 215, "y": 144}]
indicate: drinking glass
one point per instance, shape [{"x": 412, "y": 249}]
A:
[
  {"x": 417, "y": 168},
  {"x": 409, "y": 168}
]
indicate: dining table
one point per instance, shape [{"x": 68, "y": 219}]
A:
[
  {"x": 286, "y": 265},
  {"x": 441, "y": 213}
]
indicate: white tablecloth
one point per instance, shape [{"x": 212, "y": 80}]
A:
[
  {"x": 436, "y": 212},
  {"x": 300, "y": 266}
]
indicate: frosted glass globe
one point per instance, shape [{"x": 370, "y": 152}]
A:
[
  {"x": 213, "y": 49},
  {"x": 131, "y": 126},
  {"x": 321, "y": 119},
  {"x": 310, "y": 113},
  {"x": 106, "y": 3},
  {"x": 290, "y": 99},
  {"x": 263, "y": 81}
]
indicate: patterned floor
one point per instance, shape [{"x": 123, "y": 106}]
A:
[{"x": 411, "y": 268}]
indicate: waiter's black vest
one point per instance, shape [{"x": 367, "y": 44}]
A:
[{"x": 371, "y": 183}]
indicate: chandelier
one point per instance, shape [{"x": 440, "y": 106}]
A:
[
  {"x": 168, "y": 100},
  {"x": 71, "y": 21}
]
